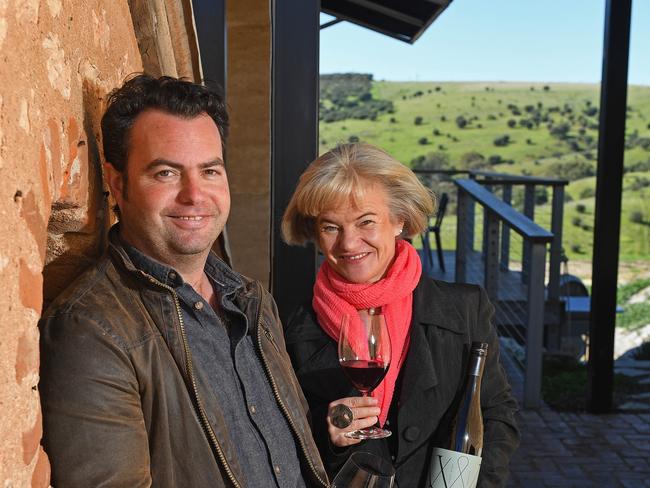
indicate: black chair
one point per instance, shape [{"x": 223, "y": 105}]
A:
[{"x": 435, "y": 228}]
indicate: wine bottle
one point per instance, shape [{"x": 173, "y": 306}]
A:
[{"x": 459, "y": 463}]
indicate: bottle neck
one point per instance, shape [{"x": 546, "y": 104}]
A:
[{"x": 476, "y": 365}]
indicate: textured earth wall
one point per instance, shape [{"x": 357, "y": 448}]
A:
[{"x": 59, "y": 58}]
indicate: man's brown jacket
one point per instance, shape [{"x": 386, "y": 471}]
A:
[{"x": 123, "y": 405}]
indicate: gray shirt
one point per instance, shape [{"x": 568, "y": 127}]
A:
[{"x": 223, "y": 350}]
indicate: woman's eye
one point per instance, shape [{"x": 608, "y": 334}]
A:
[
  {"x": 367, "y": 222},
  {"x": 329, "y": 229}
]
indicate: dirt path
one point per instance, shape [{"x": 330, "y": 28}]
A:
[{"x": 627, "y": 271}]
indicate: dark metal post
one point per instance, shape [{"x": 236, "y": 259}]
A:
[
  {"x": 535, "y": 326},
  {"x": 529, "y": 211},
  {"x": 492, "y": 255},
  {"x": 210, "y": 20},
  {"x": 294, "y": 139},
  {"x": 609, "y": 177},
  {"x": 462, "y": 235},
  {"x": 505, "y": 231},
  {"x": 557, "y": 214}
]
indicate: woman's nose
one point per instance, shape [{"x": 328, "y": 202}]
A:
[{"x": 348, "y": 239}]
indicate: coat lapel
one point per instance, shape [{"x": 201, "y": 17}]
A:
[{"x": 421, "y": 406}]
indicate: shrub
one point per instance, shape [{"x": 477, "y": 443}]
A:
[
  {"x": 572, "y": 170},
  {"x": 588, "y": 192},
  {"x": 560, "y": 131},
  {"x": 443, "y": 118},
  {"x": 472, "y": 160},
  {"x": 353, "y": 138},
  {"x": 393, "y": 120},
  {"x": 423, "y": 141},
  {"x": 495, "y": 159},
  {"x": 576, "y": 248},
  {"x": 577, "y": 221},
  {"x": 417, "y": 120},
  {"x": 502, "y": 141},
  {"x": 541, "y": 195},
  {"x": 529, "y": 142},
  {"x": 581, "y": 208},
  {"x": 512, "y": 123},
  {"x": 461, "y": 122},
  {"x": 639, "y": 183},
  {"x": 636, "y": 217},
  {"x": 436, "y": 132}
]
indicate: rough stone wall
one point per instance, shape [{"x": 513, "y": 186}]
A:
[{"x": 59, "y": 58}]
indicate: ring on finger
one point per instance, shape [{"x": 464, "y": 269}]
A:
[{"x": 341, "y": 416}]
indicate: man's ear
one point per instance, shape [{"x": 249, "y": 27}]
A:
[{"x": 115, "y": 181}]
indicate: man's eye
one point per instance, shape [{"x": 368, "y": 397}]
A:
[
  {"x": 164, "y": 173},
  {"x": 212, "y": 172}
]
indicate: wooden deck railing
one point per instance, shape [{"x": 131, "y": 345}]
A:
[{"x": 500, "y": 215}]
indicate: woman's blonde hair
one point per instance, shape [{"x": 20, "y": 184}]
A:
[{"x": 341, "y": 174}]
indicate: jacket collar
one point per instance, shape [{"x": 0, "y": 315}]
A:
[{"x": 219, "y": 272}]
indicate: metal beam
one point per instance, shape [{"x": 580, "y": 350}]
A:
[
  {"x": 330, "y": 23},
  {"x": 294, "y": 139},
  {"x": 609, "y": 188},
  {"x": 388, "y": 12},
  {"x": 210, "y": 21}
]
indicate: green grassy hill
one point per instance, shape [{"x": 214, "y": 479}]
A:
[{"x": 540, "y": 129}]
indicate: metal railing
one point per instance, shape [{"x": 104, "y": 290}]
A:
[{"x": 500, "y": 215}]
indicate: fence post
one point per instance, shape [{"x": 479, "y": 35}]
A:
[
  {"x": 462, "y": 235},
  {"x": 505, "y": 231},
  {"x": 491, "y": 274},
  {"x": 535, "y": 326},
  {"x": 529, "y": 211},
  {"x": 556, "y": 244}
]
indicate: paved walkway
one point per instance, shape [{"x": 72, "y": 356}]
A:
[{"x": 560, "y": 449}]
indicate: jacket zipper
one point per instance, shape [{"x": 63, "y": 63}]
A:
[
  {"x": 201, "y": 411},
  {"x": 276, "y": 393}
]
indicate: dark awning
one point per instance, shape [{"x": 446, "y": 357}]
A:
[{"x": 405, "y": 20}]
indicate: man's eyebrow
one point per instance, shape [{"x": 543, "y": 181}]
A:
[{"x": 173, "y": 164}]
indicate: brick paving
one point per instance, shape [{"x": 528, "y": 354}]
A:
[{"x": 563, "y": 449}]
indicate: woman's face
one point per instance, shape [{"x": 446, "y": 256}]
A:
[{"x": 358, "y": 241}]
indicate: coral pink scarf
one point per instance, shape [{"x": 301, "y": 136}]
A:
[{"x": 334, "y": 297}]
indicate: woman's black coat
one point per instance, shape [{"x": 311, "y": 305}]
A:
[{"x": 446, "y": 319}]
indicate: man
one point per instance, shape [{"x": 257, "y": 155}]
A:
[{"x": 161, "y": 366}]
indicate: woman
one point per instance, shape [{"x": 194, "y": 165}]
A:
[{"x": 357, "y": 204}]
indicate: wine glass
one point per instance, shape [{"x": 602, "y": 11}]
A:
[
  {"x": 364, "y": 355},
  {"x": 365, "y": 470}
]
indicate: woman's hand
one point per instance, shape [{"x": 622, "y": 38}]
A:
[{"x": 365, "y": 413}]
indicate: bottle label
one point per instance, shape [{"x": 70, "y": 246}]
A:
[{"x": 451, "y": 469}]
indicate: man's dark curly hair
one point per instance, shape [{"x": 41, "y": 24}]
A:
[{"x": 167, "y": 94}]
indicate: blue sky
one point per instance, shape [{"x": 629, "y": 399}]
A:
[{"x": 493, "y": 40}]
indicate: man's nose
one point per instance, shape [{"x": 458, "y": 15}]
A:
[{"x": 191, "y": 189}]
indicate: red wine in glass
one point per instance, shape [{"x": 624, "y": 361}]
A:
[
  {"x": 364, "y": 355},
  {"x": 365, "y": 375}
]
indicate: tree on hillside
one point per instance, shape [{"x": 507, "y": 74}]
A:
[
  {"x": 417, "y": 120},
  {"x": 504, "y": 140},
  {"x": 461, "y": 122},
  {"x": 473, "y": 160}
]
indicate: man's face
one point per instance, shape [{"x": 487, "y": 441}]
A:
[{"x": 177, "y": 201}]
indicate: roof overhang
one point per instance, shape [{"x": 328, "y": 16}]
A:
[{"x": 405, "y": 20}]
